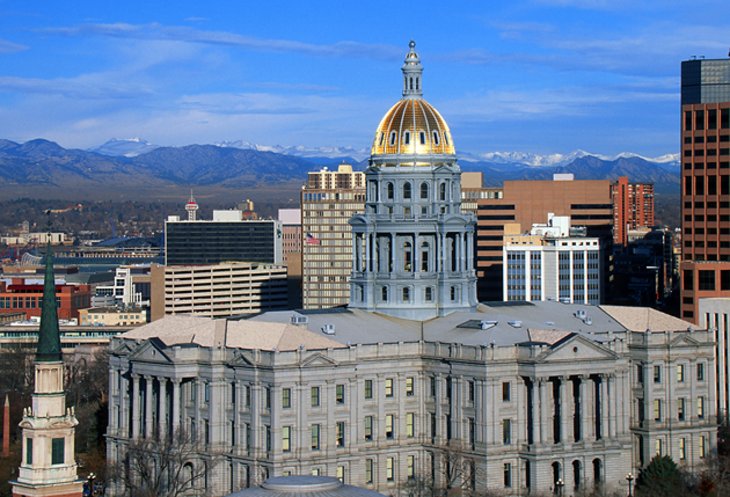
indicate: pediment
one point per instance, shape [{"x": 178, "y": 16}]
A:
[
  {"x": 122, "y": 347},
  {"x": 576, "y": 348},
  {"x": 318, "y": 359},
  {"x": 243, "y": 358},
  {"x": 151, "y": 350},
  {"x": 685, "y": 340}
]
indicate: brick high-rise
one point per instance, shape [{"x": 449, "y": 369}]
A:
[{"x": 705, "y": 182}]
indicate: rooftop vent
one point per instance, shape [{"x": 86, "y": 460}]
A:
[
  {"x": 485, "y": 325},
  {"x": 515, "y": 324},
  {"x": 580, "y": 314},
  {"x": 328, "y": 329},
  {"x": 298, "y": 319}
]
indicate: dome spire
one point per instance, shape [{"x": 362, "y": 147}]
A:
[{"x": 412, "y": 73}]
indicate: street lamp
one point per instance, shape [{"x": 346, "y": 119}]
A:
[
  {"x": 560, "y": 484},
  {"x": 90, "y": 478},
  {"x": 630, "y": 480}
]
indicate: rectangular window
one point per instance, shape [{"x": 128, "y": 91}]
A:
[
  {"x": 368, "y": 389},
  {"x": 267, "y": 395},
  {"x": 433, "y": 386},
  {"x": 248, "y": 396},
  {"x": 28, "y": 450},
  {"x": 389, "y": 426},
  {"x": 58, "y": 451},
  {"x": 315, "y": 430},
  {"x": 507, "y": 431},
  {"x": 657, "y": 374},
  {"x": 700, "y": 371},
  {"x": 682, "y": 449},
  {"x": 470, "y": 391},
  {"x": 286, "y": 398},
  {"x": 341, "y": 473},
  {"x": 680, "y": 373},
  {"x": 368, "y": 427},
  {"x": 680, "y": 409},
  {"x": 286, "y": 438},
  {"x": 411, "y": 467},
  {"x": 267, "y": 442},
  {"x": 369, "y": 471},
  {"x": 658, "y": 446},
  {"x": 706, "y": 279},
  {"x": 703, "y": 447},
  {"x": 657, "y": 409},
  {"x": 507, "y": 475},
  {"x": 687, "y": 279},
  {"x": 389, "y": 387},
  {"x": 506, "y": 391},
  {"x": 410, "y": 390},
  {"x": 315, "y": 396},
  {"x": 389, "y": 468},
  {"x": 639, "y": 373},
  {"x": 410, "y": 428},
  {"x": 206, "y": 392},
  {"x": 340, "y": 434},
  {"x": 701, "y": 407},
  {"x": 340, "y": 394},
  {"x": 472, "y": 432}
]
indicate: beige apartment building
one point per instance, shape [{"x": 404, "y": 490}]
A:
[
  {"x": 218, "y": 290},
  {"x": 328, "y": 201}
]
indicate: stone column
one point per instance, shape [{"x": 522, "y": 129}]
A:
[
  {"x": 148, "y": 406},
  {"x": 612, "y": 401},
  {"x": 604, "y": 405},
  {"x": 175, "y": 405},
  {"x": 544, "y": 409},
  {"x": 162, "y": 411},
  {"x": 536, "y": 425},
  {"x": 584, "y": 406},
  {"x": 565, "y": 418},
  {"x": 135, "y": 406}
]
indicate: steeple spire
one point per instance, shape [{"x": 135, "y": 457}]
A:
[
  {"x": 49, "y": 336},
  {"x": 412, "y": 73}
]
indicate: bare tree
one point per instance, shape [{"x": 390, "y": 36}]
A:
[{"x": 162, "y": 467}]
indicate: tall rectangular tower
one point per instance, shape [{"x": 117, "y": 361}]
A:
[
  {"x": 633, "y": 207},
  {"x": 705, "y": 182},
  {"x": 329, "y": 200}
]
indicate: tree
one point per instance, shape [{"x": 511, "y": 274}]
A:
[
  {"x": 662, "y": 478},
  {"x": 162, "y": 467}
]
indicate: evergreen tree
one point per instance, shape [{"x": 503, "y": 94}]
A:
[{"x": 661, "y": 478}]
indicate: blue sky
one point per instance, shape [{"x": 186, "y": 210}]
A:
[{"x": 536, "y": 76}]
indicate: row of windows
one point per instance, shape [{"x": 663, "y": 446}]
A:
[{"x": 658, "y": 414}]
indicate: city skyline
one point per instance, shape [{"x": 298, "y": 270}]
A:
[{"x": 534, "y": 76}]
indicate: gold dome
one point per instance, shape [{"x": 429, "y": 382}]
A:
[{"x": 413, "y": 127}]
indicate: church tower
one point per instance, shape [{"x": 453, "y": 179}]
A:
[
  {"x": 413, "y": 247},
  {"x": 48, "y": 465}
]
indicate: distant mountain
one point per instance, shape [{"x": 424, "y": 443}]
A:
[
  {"x": 127, "y": 147},
  {"x": 44, "y": 163},
  {"x": 329, "y": 153}
]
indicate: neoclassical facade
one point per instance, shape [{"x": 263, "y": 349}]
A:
[{"x": 415, "y": 384}]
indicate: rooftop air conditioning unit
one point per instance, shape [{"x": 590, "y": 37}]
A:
[
  {"x": 299, "y": 319},
  {"x": 328, "y": 329}
]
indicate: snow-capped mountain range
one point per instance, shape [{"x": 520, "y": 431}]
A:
[{"x": 132, "y": 147}]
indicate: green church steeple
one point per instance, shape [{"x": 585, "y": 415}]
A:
[{"x": 49, "y": 336}]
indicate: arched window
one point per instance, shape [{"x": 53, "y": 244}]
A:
[
  {"x": 442, "y": 191},
  {"x": 417, "y": 82},
  {"x": 446, "y": 137},
  {"x": 407, "y": 137},
  {"x": 422, "y": 137},
  {"x": 407, "y": 256},
  {"x": 389, "y": 191},
  {"x": 424, "y": 190},
  {"x": 576, "y": 474},
  {"x": 393, "y": 138},
  {"x": 597, "y": 476},
  {"x": 384, "y": 293},
  {"x": 424, "y": 257},
  {"x": 406, "y": 294},
  {"x": 411, "y": 83},
  {"x": 428, "y": 294},
  {"x": 435, "y": 137},
  {"x": 406, "y": 190},
  {"x": 556, "y": 472},
  {"x": 382, "y": 137}
]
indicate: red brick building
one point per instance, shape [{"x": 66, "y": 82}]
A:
[
  {"x": 633, "y": 207},
  {"x": 21, "y": 297}
]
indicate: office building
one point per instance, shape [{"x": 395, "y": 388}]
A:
[
  {"x": 633, "y": 208},
  {"x": 19, "y": 296},
  {"x": 113, "y": 316},
  {"x": 227, "y": 237},
  {"x": 218, "y": 290},
  {"x": 705, "y": 181},
  {"x": 396, "y": 387},
  {"x": 48, "y": 463},
  {"x": 291, "y": 234},
  {"x": 329, "y": 200},
  {"x": 129, "y": 288},
  {"x": 586, "y": 202},
  {"x": 550, "y": 263},
  {"x": 714, "y": 315}
]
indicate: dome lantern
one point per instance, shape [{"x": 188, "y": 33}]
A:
[{"x": 412, "y": 73}]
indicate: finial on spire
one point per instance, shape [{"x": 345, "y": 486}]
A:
[
  {"x": 191, "y": 207},
  {"x": 412, "y": 73}
]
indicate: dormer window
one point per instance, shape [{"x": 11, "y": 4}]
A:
[
  {"x": 382, "y": 137},
  {"x": 436, "y": 138},
  {"x": 446, "y": 137},
  {"x": 393, "y": 138},
  {"x": 407, "y": 138},
  {"x": 422, "y": 137}
]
